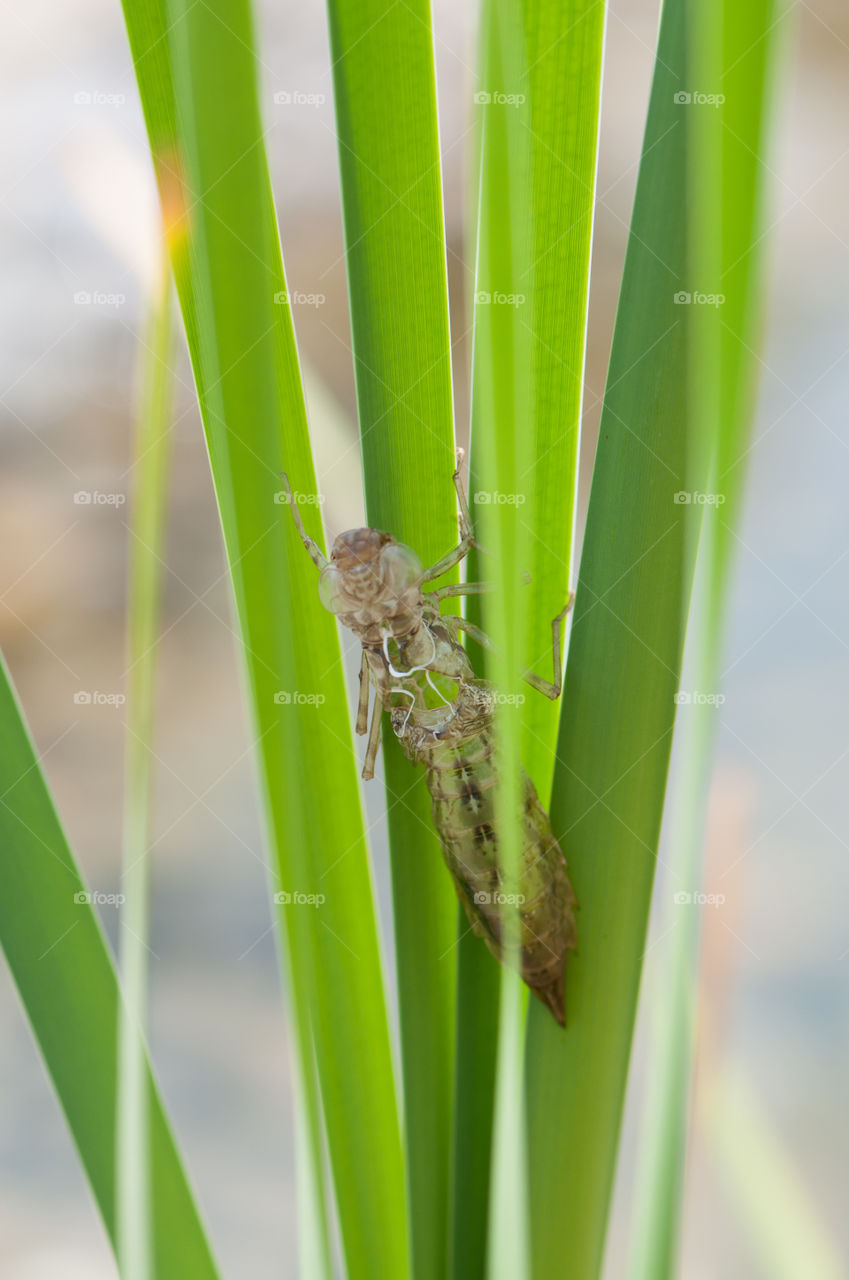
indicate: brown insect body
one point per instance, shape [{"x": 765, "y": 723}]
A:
[
  {"x": 373, "y": 584},
  {"x": 458, "y": 752}
]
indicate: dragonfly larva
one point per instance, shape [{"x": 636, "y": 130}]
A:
[{"x": 373, "y": 584}]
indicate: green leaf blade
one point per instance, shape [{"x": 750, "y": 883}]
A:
[
  {"x": 392, "y": 204},
  {"x": 65, "y": 976},
  {"x": 197, "y": 79},
  {"x": 623, "y": 670},
  {"x": 734, "y": 50},
  {"x": 537, "y": 183}
]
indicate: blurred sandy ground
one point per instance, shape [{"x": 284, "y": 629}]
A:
[{"x": 77, "y": 208}]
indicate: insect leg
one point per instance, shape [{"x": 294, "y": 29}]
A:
[
  {"x": 461, "y": 589},
  {"x": 373, "y": 739},
  {"x": 467, "y": 537},
  {"x": 549, "y": 688},
  {"x": 316, "y": 555},
  {"x": 362, "y": 709},
  {"x": 463, "y": 624}
]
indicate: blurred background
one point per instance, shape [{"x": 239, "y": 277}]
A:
[{"x": 76, "y": 255}]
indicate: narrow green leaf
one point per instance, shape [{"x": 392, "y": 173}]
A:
[
  {"x": 64, "y": 973},
  {"x": 392, "y": 204},
  {"x": 196, "y": 69},
  {"x": 733, "y": 50},
  {"x": 539, "y": 93},
  {"x": 501, "y": 440},
  {"x": 478, "y": 992},
  {"x": 147, "y": 533},
  {"x": 624, "y": 662},
  {"x": 539, "y": 290}
]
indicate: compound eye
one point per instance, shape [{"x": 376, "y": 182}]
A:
[
  {"x": 400, "y": 567},
  {"x": 330, "y": 589}
]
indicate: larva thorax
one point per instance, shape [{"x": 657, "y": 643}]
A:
[{"x": 373, "y": 585}]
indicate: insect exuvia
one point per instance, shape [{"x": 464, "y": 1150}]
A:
[{"x": 373, "y": 584}]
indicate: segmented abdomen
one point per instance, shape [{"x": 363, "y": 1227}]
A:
[{"x": 463, "y": 781}]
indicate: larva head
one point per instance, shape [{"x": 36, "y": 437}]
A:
[{"x": 370, "y": 575}]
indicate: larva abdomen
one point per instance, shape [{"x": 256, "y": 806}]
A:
[{"x": 463, "y": 781}]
